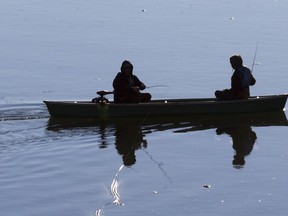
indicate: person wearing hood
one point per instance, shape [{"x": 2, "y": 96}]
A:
[
  {"x": 127, "y": 86},
  {"x": 241, "y": 79}
]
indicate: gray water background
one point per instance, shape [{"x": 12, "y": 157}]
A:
[{"x": 56, "y": 50}]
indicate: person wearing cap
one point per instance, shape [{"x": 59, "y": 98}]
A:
[
  {"x": 241, "y": 79},
  {"x": 127, "y": 86}
]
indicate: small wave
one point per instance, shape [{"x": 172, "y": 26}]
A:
[{"x": 9, "y": 112}]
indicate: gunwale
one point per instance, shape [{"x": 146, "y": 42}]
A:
[{"x": 168, "y": 107}]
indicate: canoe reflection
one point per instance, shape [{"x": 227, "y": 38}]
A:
[{"x": 130, "y": 134}]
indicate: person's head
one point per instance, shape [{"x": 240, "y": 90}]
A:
[
  {"x": 129, "y": 159},
  {"x": 238, "y": 161},
  {"x": 127, "y": 68},
  {"x": 236, "y": 61}
]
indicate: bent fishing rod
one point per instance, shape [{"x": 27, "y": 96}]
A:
[
  {"x": 255, "y": 54},
  {"x": 105, "y": 92}
]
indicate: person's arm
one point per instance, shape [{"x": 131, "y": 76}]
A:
[
  {"x": 138, "y": 83},
  {"x": 253, "y": 80}
]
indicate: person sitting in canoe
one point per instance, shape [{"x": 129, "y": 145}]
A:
[
  {"x": 241, "y": 79},
  {"x": 127, "y": 86}
]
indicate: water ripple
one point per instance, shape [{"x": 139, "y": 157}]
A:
[
  {"x": 23, "y": 111},
  {"x": 114, "y": 192}
]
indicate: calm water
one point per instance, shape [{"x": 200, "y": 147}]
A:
[{"x": 56, "y": 50}]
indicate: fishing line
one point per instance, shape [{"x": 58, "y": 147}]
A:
[
  {"x": 254, "y": 59},
  {"x": 145, "y": 150},
  {"x": 159, "y": 165},
  {"x": 115, "y": 183}
]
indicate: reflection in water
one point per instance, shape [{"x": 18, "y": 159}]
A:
[
  {"x": 102, "y": 136},
  {"x": 243, "y": 138},
  {"x": 114, "y": 188},
  {"x": 129, "y": 133},
  {"x": 114, "y": 192},
  {"x": 128, "y": 140}
]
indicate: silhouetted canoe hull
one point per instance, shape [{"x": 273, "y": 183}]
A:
[{"x": 168, "y": 107}]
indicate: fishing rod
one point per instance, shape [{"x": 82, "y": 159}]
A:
[
  {"x": 105, "y": 92},
  {"x": 255, "y": 54},
  {"x": 154, "y": 86},
  {"x": 102, "y": 94}
]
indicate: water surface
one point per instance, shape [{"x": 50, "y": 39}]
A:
[{"x": 56, "y": 50}]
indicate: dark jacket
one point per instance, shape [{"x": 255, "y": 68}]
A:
[
  {"x": 123, "y": 92},
  {"x": 241, "y": 79}
]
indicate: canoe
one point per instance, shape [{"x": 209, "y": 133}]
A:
[{"x": 166, "y": 107}]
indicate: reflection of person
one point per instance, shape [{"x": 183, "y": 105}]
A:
[
  {"x": 129, "y": 138},
  {"x": 243, "y": 138},
  {"x": 127, "y": 86},
  {"x": 241, "y": 79}
]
